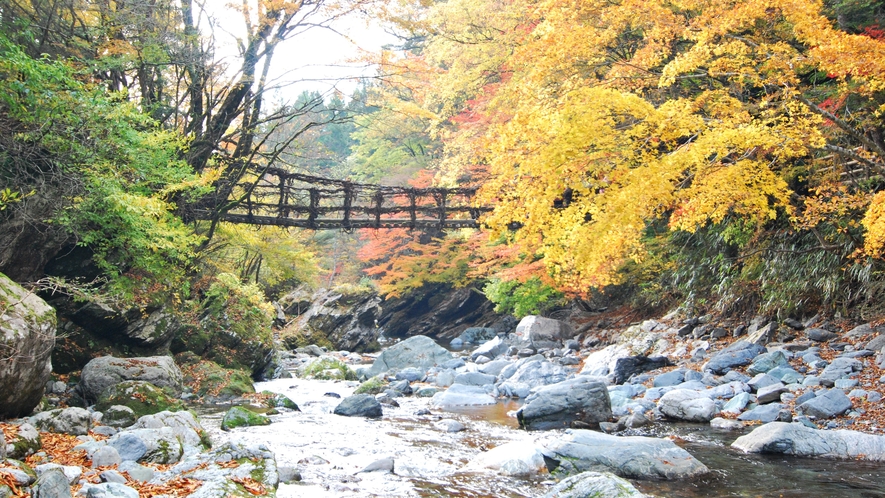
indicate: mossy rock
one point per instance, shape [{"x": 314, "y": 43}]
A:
[
  {"x": 327, "y": 368},
  {"x": 276, "y": 400},
  {"x": 143, "y": 398},
  {"x": 26, "y": 442},
  {"x": 209, "y": 380},
  {"x": 375, "y": 385},
  {"x": 239, "y": 416}
]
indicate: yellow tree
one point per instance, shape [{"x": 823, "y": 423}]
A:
[{"x": 610, "y": 115}]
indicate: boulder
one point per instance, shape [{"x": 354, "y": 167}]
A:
[
  {"x": 593, "y": 484},
  {"x": 108, "y": 490},
  {"x": 101, "y": 373},
  {"x": 52, "y": 484},
  {"x": 827, "y": 405},
  {"x": 798, "y": 440},
  {"x": 582, "y": 399},
  {"x": 462, "y": 395},
  {"x": 529, "y": 373},
  {"x": 737, "y": 355},
  {"x": 820, "y": 335},
  {"x": 349, "y": 321},
  {"x": 765, "y": 413},
  {"x": 513, "y": 459},
  {"x": 767, "y": 361},
  {"x": 492, "y": 349},
  {"x": 840, "y": 368},
  {"x": 634, "y": 457},
  {"x": 143, "y": 398},
  {"x": 359, "y": 405},
  {"x": 76, "y": 421},
  {"x": 474, "y": 379},
  {"x": 632, "y": 365},
  {"x": 118, "y": 416},
  {"x": 27, "y": 336},
  {"x": 440, "y": 311},
  {"x": 603, "y": 362},
  {"x": 671, "y": 378},
  {"x": 238, "y": 416},
  {"x": 686, "y": 404},
  {"x": 539, "y": 332},
  {"x": 418, "y": 351},
  {"x": 770, "y": 393},
  {"x": 25, "y": 442}
]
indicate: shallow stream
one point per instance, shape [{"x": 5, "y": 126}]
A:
[{"x": 330, "y": 450}]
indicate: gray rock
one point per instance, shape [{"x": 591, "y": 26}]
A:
[
  {"x": 109, "y": 490},
  {"x": 118, "y": 416},
  {"x": 462, "y": 395},
  {"x": 685, "y": 404},
  {"x": 539, "y": 332},
  {"x": 840, "y": 368},
  {"x": 630, "y": 457},
  {"x": 767, "y": 361},
  {"x": 491, "y": 349},
  {"x": 402, "y": 386},
  {"x": 876, "y": 344},
  {"x": 449, "y": 425},
  {"x": 445, "y": 378},
  {"x": 418, "y": 351},
  {"x": 27, "y": 334},
  {"x": 76, "y": 421},
  {"x": 820, "y": 335},
  {"x": 590, "y": 484},
  {"x": 107, "y": 456},
  {"x": 799, "y": 440},
  {"x": 383, "y": 465},
  {"x": 786, "y": 375},
  {"x": 581, "y": 399},
  {"x": 474, "y": 379},
  {"x": 494, "y": 367},
  {"x": 478, "y": 335},
  {"x": 71, "y": 472},
  {"x": 19, "y": 476},
  {"x": 726, "y": 424},
  {"x": 359, "y": 405},
  {"x": 136, "y": 471},
  {"x": 52, "y": 484},
  {"x": 770, "y": 393},
  {"x": 632, "y": 365},
  {"x": 802, "y": 398},
  {"x": 737, "y": 404},
  {"x": 26, "y": 442},
  {"x": 411, "y": 374},
  {"x": 162, "y": 445},
  {"x": 671, "y": 378},
  {"x": 827, "y": 405},
  {"x": 737, "y": 355},
  {"x": 532, "y": 372},
  {"x": 112, "y": 476},
  {"x": 764, "y": 413},
  {"x": 106, "y": 371},
  {"x": 289, "y": 474}
]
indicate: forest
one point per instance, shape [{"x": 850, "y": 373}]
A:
[{"x": 719, "y": 155}]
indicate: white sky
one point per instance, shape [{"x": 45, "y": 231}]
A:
[{"x": 314, "y": 60}]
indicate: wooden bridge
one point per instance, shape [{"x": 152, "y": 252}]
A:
[{"x": 282, "y": 198}]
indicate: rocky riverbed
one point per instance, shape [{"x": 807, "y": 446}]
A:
[{"x": 668, "y": 407}]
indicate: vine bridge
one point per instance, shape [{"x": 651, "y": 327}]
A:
[{"x": 282, "y": 198}]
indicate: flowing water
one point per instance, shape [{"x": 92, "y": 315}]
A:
[{"x": 330, "y": 450}]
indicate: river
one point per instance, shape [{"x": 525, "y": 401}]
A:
[{"x": 330, "y": 450}]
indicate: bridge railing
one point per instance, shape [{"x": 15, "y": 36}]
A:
[{"x": 283, "y": 198}]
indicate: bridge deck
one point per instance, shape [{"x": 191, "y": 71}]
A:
[{"x": 282, "y": 198}]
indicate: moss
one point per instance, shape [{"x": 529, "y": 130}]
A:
[
  {"x": 239, "y": 416},
  {"x": 142, "y": 397},
  {"x": 327, "y": 368},
  {"x": 275, "y": 400},
  {"x": 205, "y": 440},
  {"x": 372, "y": 386},
  {"x": 207, "y": 378},
  {"x": 294, "y": 338}
]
